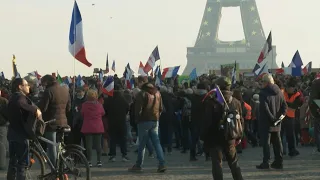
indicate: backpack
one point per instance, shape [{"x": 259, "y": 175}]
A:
[
  {"x": 186, "y": 109},
  {"x": 231, "y": 123},
  {"x": 33, "y": 126}
]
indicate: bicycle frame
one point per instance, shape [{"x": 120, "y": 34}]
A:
[{"x": 36, "y": 144}]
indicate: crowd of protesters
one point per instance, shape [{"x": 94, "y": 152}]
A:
[{"x": 165, "y": 118}]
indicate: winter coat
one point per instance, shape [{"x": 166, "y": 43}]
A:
[
  {"x": 92, "y": 112},
  {"x": 117, "y": 108},
  {"x": 272, "y": 106},
  {"x": 54, "y": 104},
  {"x": 211, "y": 133}
]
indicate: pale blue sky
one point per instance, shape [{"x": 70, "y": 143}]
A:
[{"x": 36, "y": 31}]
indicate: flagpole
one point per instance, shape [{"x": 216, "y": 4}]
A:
[{"x": 74, "y": 51}]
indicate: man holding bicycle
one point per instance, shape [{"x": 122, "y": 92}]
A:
[{"x": 20, "y": 108}]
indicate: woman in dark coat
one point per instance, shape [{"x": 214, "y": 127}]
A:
[{"x": 117, "y": 108}]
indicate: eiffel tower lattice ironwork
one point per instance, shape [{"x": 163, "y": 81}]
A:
[{"x": 209, "y": 52}]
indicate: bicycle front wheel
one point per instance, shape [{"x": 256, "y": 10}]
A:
[
  {"x": 36, "y": 166},
  {"x": 74, "y": 164}
]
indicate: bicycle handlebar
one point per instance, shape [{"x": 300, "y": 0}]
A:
[{"x": 50, "y": 121}]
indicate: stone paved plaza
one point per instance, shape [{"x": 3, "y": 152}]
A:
[{"x": 304, "y": 167}]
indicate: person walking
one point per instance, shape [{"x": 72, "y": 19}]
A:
[
  {"x": 214, "y": 136},
  {"x": 148, "y": 107}
]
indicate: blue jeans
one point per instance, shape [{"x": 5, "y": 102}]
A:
[
  {"x": 148, "y": 130},
  {"x": 149, "y": 146},
  {"x": 52, "y": 150}
]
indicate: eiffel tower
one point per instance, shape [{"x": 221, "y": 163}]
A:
[{"x": 209, "y": 52}]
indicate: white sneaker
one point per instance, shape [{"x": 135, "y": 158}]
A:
[
  {"x": 112, "y": 159},
  {"x": 125, "y": 159}
]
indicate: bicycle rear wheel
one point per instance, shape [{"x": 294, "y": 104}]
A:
[
  {"x": 73, "y": 162},
  {"x": 37, "y": 164}
]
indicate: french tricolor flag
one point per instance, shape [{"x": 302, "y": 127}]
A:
[
  {"x": 307, "y": 68},
  {"x": 141, "y": 71},
  {"x": 108, "y": 86},
  {"x": 263, "y": 54},
  {"x": 76, "y": 44},
  {"x": 152, "y": 60},
  {"x": 170, "y": 72}
]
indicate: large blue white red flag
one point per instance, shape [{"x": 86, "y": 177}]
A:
[
  {"x": 108, "y": 86},
  {"x": 170, "y": 72},
  {"x": 154, "y": 56},
  {"x": 76, "y": 44}
]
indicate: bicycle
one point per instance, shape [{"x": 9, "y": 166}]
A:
[{"x": 62, "y": 166}]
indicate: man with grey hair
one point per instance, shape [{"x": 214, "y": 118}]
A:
[{"x": 272, "y": 108}]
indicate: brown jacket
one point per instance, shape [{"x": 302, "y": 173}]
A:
[
  {"x": 54, "y": 104},
  {"x": 148, "y": 104}
]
